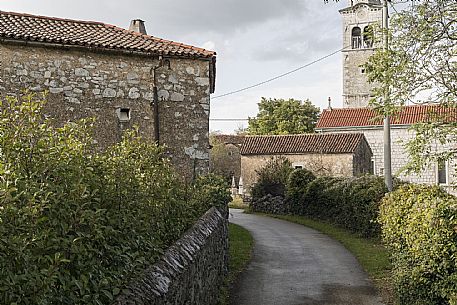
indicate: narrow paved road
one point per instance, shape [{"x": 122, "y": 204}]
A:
[{"x": 295, "y": 265}]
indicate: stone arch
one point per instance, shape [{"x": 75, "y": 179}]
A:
[
  {"x": 368, "y": 36},
  {"x": 356, "y": 37}
]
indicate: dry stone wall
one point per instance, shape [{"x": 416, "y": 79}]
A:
[
  {"x": 83, "y": 83},
  {"x": 191, "y": 272}
]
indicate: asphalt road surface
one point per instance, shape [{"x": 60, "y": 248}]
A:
[{"x": 295, "y": 265}]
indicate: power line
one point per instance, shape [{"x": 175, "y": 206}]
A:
[
  {"x": 279, "y": 76},
  {"x": 228, "y": 120}
]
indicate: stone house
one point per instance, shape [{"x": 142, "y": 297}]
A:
[
  {"x": 339, "y": 155},
  {"x": 123, "y": 78},
  {"x": 363, "y": 120}
]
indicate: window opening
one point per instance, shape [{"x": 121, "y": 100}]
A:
[
  {"x": 356, "y": 38},
  {"x": 442, "y": 172}
]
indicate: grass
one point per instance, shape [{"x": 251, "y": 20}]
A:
[
  {"x": 237, "y": 203},
  {"x": 240, "y": 250},
  {"x": 371, "y": 254}
]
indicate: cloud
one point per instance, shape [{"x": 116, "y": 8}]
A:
[{"x": 228, "y": 16}]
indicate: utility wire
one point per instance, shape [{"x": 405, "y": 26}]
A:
[
  {"x": 228, "y": 120},
  {"x": 279, "y": 76}
]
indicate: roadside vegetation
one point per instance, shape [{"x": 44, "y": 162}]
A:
[
  {"x": 76, "y": 224},
  {"x": 240, "y": 245},
  {"x": 237, "y": 203},
  {"x": 406, "y": 240}
]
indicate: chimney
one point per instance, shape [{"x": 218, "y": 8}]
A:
[
  {"x": 329, "y": 108},
  {"x": 137, "y": 25}
]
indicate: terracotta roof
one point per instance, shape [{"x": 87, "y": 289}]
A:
[
  {"x": 230, "y": 139},
  {"x": 25, "y": 27},
  {"x": 337, "y": 143},
  {"x": 353, "y": 117}
]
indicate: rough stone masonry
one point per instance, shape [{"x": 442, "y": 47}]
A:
[{"x": 115, "y": 86}]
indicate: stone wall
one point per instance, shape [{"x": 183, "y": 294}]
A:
[
  {"x": 190, "y": 272},
  {"x": 400, "y": 134},
  {"x": 84, "y": 83},
  {"x": 337, "y": 165}
]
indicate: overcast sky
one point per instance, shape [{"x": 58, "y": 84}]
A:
[{"x": 254, "y": 39}]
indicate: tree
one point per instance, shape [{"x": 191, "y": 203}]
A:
[
  {"x": 224, "y": 158},
  {"x": 421, "y": 67},
  {"x": 279, "y": 116}
]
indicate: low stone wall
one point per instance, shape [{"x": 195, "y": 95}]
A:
[
  {"x": 270, "y": 205},
  {"x": 191, "y": 271}
]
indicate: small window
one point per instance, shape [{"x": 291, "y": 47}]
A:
[
  {"x": 362, "y": 71},
  {"x": 298, "y": 166},
  {"x": 373, "y": 167},
  {"x": 123, "y": 114},
  {"x": 442, "y": 172}
]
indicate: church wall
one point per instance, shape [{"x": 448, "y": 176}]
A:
[
  {"x": 356, "y": 89},
  {"x": 400, "y": 136}
]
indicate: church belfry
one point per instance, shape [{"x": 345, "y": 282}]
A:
[{"x": 358, "y": 20}]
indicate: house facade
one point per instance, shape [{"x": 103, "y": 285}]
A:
[
  {"x": 364, "y": 120},
  {"x": 122, "y": 78},
  {"x": 339, "y": 155}
]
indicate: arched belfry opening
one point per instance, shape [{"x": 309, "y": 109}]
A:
[
  {"x": 356, "y": 38},
  {"x": 368, "y": 36}
]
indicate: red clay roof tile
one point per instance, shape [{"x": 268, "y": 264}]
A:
[
  {"x": 89, "y": 34},
  {"x": 337, "y": 143},
  {"x": 363, "y": 117}
]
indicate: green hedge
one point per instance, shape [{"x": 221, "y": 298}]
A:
[
  {"x": 352, "y": 203},
  {"x": 297, "y": 188},
  {"x": 76, "y": 225},
  {"x": 420, "y": 226}
]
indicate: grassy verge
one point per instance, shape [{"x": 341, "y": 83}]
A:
[
  {"x": 373, "y": 256},
  {"x": 237, "y": 203},
  {"x": 240, "y": 249}
]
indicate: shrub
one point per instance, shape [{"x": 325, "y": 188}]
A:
[
  {"x": 297, "y": 188},
  {"x": 272, "y": 178},
  {"x": 420, "y": 226},
  {"x": 352, "y": 203},
  {"x": 319, "y": 202},
  {"x": 76, "y": 225}
]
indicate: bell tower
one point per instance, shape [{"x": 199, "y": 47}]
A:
[{"x": 359, "y": 44}]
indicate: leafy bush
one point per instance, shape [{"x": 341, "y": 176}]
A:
[
  {"x": 272, "y": 178},
  {"x": 352, "y": 203},
  {"x": 297, "y": 188},
  {"x": 76, "y": 225},
  {"x": 420, "y": 226},
  {"x": 319, "y": 202}
]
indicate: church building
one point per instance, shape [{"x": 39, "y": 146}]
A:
[{"x": 359, "y": 19}]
